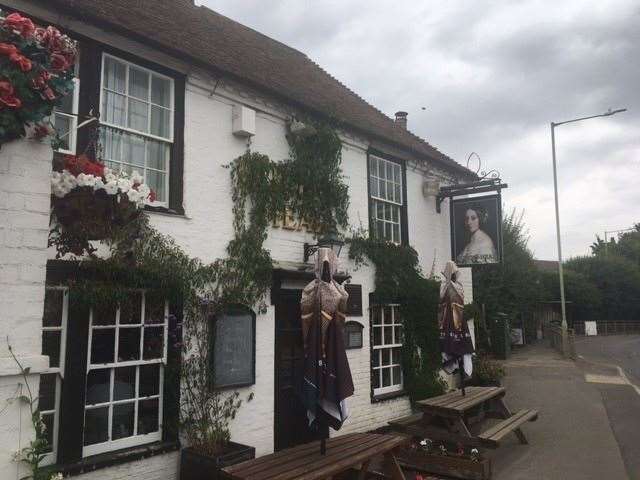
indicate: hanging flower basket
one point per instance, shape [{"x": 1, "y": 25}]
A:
[
  {"x": 36, "y": 70},
  {"x": 92, "y": 202}
]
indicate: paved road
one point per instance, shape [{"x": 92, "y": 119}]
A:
[
  {"x": 572, "y": 439},
  {"x": 612, "y": 365}
]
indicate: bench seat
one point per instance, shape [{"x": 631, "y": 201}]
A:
[{"x": 495, "y": 434}]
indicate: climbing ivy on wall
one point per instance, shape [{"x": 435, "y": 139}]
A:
[
  {"x": 399, "y": 279},
  {"x": 308, "y": 185}
]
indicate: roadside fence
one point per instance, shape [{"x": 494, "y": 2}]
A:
[
  {"x": 611, "y": 327},
  {"x": 554, "y": 334}
]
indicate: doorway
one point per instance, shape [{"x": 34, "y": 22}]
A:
[{"x": 290, "y": 424}]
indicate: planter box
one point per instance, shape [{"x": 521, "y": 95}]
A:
[
  {"x": 450, "y": 465},
  {"x": 195, "y": 466}
]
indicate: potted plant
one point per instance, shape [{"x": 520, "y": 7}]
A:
[
  {"x": 205, "y": 412},
  {"x": 36, "y": 70},
  {"x": 92, "y": 202},
  {"x": 486, "y": 372}
]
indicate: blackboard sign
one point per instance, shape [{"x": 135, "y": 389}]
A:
[{"x": 234, "y": 348}]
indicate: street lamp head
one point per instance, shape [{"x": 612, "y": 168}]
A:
[{"x": 613, "y": 112}]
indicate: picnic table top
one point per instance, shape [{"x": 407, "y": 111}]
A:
[
  {"x": 456, "y": 404},
  {"x": 304, "y": 462}
]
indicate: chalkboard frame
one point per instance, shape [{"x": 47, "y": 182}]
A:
[{"x": 234, "y": 308}]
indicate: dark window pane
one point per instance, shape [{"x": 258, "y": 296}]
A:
[
  {"x": 375, "y": 358},
  {"x": 147, "y": 416},
  {"x": 153, "y": 342},
  {"x": 153, "y": 309},
  {"x": 96, "y": 425},
  {"x": 102, "y": 345},
  {"x": 376, "y": 379},
  {"x": 386, "y": 357},
  {"x": 129, "y": 344},
  {"x": 52, "y": 308},
  {"x": 122, "y": 421},
  {"x": 149, "y": 380},
  {"x": 51, "y": 347},
  {"x": 47, "y": 395},
  {"x": 386, "y": 377},
  {"x": 48, "y": 419},
  {"x": 124, "y": 383},
  {"x": 388, "y": 335},
  {"x": 131, "y": 309},
  {"x": 396, "y": 356},
  {"x": 397, "y": 376},
  {"x": 104, "y": 315},
  {"x": 388, "y": 319},
  {"x": 98, "y": 386}
]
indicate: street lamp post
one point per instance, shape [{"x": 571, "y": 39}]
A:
[{"x": 555, "y": 191}]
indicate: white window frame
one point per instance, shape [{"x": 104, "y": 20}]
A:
[
  {"x": 376, "y": 198},
  {"x": 377, "y": 349},
  {"x": 135, "y": 439},
  {"x": 73, "y": 117},
  {"x": 50, "y": 457},
  {"x": 172, "y": 110}
]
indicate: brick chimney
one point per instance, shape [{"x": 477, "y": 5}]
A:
[{"x": 401, "y": 119}]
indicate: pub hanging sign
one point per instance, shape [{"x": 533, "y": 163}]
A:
[{"x": 476, "y": 222}]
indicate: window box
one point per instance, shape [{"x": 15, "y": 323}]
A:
[{"x": 196, "y": 466}]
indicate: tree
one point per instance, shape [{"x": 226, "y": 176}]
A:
[
  {"x": 583, "y": 297},
  {"x": 511, "y": 286},
  {"x": 617, "y": 278}
]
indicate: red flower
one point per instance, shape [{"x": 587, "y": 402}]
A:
[
  {"x": 152, "y": 196},
  {"x": 7, "y": 97},
  {"x": 83, "y": 164},
  {"x": 22, "y": 25},
  {"x": 8, "y": 49},
  {"x": 23, "y": 62},
  {"x": 40, "y": 82},
  {"x": 58, "y": 62},
  {"x": 48, "y": 94},
  {"x": 41, "y": 131}
]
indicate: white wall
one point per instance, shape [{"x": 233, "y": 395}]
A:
[
  {"x": 25, "y": 172},
  {"x": 207, "y": 227}
]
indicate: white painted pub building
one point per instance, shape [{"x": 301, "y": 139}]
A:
[{"x": 181, "y": 91}]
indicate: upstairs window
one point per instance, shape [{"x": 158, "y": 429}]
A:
[
  {"x": 137, "y": 117},
  {"x": 65, "y": 120},
  {"x": 386, "y": 199}
]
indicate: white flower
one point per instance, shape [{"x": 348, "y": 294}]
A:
[
  {"x": 136, "y": 178},
  {"x": 109, "y": 176},
  {"x": 111, "y": 187},
  {"x": 85, "y": 180},
  {"x": 134, "y": 195},
  {"x": 98, "y": 185},
  {"x": 56, "y": 476},
  {"x": 144, "y": 191},
  {"x": 124, "y": 184}
]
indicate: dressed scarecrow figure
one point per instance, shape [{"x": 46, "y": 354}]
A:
[
  {"x": 327, "y": 378},
  {"x": 455, "y": 340}
]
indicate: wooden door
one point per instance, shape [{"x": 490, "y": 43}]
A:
[{"x": 291, "y": 425}]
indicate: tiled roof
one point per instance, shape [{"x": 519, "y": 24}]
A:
[{"x": 213, "y": 40}]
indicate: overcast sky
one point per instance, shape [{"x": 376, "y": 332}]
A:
[{"x": 492, "y": 76}]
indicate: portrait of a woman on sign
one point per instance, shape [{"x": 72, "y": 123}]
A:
[{"x": 475, "y": 230}]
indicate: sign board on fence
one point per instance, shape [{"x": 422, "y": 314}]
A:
[
  {"x": 590, "y": 328},
  {"x": 517, "y": 337}
]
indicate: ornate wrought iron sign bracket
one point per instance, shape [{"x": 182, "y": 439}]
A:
[{"x": 482, "y": 186}]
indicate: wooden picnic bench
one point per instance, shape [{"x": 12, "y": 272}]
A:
[
  {"x": 352, "y": 451},
  {"x": 448, "y": 417}
]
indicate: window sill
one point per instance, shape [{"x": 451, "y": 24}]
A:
[
  {"x": 105, "y": 460},
  {"x": 388, "y": 396},
  {"x": 166, "y": 211}
]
